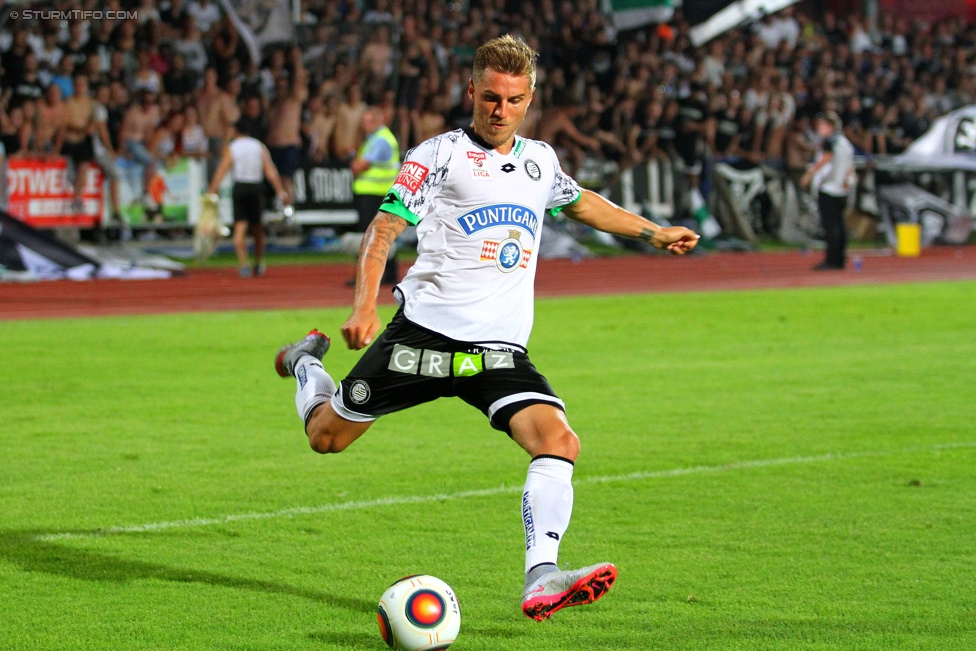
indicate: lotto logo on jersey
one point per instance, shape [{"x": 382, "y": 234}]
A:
[
  {"x": 411, "y": 175},
  {"x": 476, "y": 160}
]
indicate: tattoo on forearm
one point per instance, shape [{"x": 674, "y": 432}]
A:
[
  {"x": 380, "y": 235},
  {"x": 646, "y": 235}
]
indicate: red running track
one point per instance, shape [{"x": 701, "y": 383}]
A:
[{"x": 317, "y": 286}]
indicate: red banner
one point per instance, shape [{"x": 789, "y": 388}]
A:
[
  {"x": 40, "y": 194},
  {"x": 927, "y": 10}
]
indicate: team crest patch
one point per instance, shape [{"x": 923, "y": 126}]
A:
[
  {"x": 359, "y": 392},
  {"x": 411, "y": 176},
  {"x": 509, "y": 254},
  {"x": 532, "y": 169},
  {"x": 476, "y": 160}
]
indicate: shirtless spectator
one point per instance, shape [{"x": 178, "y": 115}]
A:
[
  {"x": 429, "y": 120},
  {"x": 285, "y": 122},
  {"x": 50, "y": 118},
  {"x": 218, "y": 111},
  {"x": 558, "y": 128},
  {"x": 74, "y": 139},
  {"x": 320, "y": 125},
  {"x": 138, "y": 126},
  {"x": 376, "y": 61},
  {"x": 348, "y": 136}
]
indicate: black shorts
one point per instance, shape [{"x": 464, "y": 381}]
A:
[
  {"x": 409, "y": 365},
  {"x": 248, "y": 203},
  {"x": 79, "y": 152},
  {"x": 286, "y": 159}
]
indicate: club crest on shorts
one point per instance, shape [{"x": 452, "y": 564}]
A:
[
  {"x": 509, "y": 254},
  {"x": 359, "y": 392},
  {"x": 532, "y": 169}
]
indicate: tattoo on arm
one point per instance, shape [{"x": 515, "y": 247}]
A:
[
  {"x": 380, "y": 236},
  {"x": 646, "y": 235}
]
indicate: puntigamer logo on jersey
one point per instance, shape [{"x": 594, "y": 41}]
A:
[{"x": 499, "y": 214}]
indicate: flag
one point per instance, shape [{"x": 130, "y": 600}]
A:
[
  {"x": 260, "y": 22},
  {"x": 629, "y": 14}
]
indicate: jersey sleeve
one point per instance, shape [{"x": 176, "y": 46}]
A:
[
  {"x": 420, "y": 180},
  {"x": 564, "y": 188}
]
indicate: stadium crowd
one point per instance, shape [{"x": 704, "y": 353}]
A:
[{"x": 172, "y": 80}]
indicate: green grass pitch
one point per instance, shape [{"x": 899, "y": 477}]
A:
[{"x": 769, "y": 470}]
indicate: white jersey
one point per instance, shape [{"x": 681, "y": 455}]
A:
[
  {"x": 247, "y": 156},
  {"x": 479, "y": 220}
]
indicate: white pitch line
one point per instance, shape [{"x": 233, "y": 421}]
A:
[{"x": 488, "y": 492}]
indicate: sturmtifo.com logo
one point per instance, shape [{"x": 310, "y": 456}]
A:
[{"x": 74, "y": 14}]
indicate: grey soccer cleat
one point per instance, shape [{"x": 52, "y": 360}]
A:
[
  {"x": 561, "y": 589},
  {"x": 315, "y": 343}
]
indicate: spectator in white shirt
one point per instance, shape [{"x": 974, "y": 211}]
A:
[{"x": 205, "y": 12}]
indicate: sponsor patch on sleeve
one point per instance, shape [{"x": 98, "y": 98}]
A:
[{"x": 412, "y": 175}]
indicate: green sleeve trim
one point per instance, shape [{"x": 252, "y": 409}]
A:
[
  {"x": 558, "y": 209},
  {"x": 393, "y": 204}
]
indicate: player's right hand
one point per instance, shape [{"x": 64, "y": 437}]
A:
[
  {"x": 676, "y": 239},
  {"x": 360, "y": 329}
]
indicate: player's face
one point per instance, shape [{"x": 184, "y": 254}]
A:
[{"x": 500, "y": 103}]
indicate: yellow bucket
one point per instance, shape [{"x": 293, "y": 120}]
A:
[{"x": 909, "y": 240}]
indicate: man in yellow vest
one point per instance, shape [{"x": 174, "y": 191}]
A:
[{"x": 375, "y": 167}]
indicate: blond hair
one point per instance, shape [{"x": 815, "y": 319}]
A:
[{"x": 508, "y": 55}]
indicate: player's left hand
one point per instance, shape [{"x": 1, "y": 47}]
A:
[{"x": 676, "y": 239}]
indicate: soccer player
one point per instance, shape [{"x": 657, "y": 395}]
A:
[{"x": 477, "y": 196}]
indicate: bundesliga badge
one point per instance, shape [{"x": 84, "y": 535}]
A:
[{"x": 508, "y": 254}]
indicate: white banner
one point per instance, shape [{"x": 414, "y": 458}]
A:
[{"x": 261, "y": 22}]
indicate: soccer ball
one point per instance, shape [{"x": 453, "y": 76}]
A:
[{"x": 419, "y": 613}]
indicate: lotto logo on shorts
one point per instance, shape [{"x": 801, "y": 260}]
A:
[{"x": 412, "y": 175}]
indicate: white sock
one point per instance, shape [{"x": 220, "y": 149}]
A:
[
  {"x": 315, "y": 386},
  {"x": 547, "y": 504}
]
